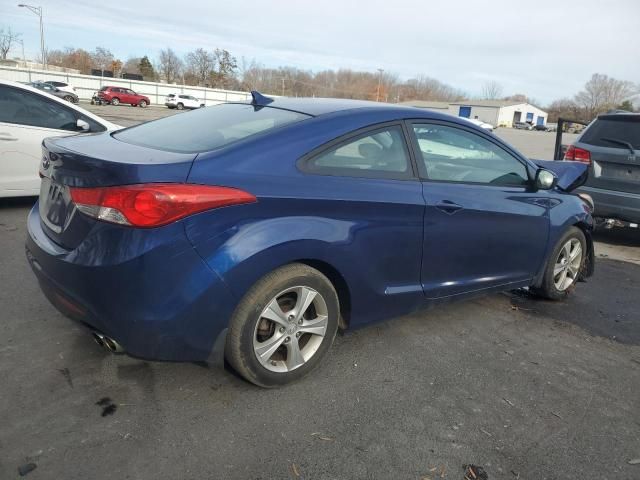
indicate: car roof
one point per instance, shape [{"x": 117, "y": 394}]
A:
[
  {"x": 22, "y": 86},
  {"x": 322, "y": 106},
  {"x": 620, "y": 115}
]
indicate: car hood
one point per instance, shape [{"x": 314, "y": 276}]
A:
[{"x": 571, "y": 175}]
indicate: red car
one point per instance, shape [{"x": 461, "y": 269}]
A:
[{"x": 118, "y": 95}]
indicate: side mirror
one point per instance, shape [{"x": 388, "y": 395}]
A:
[
  {"x": 82, "y": 125},
  {"x": 545, "y": 179}
]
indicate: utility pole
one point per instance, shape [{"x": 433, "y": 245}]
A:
[
  {"x": 38, "y": 11},
  {"x": 379, "y": 84},
  {"x": 24, "y": 60}
]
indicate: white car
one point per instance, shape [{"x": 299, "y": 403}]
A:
[
  {"x": 28, "y": 116},
  {"x": 173, "y": 100},
  {"x": 480, "y": 123},
  {"x": 65, "y": 87}
]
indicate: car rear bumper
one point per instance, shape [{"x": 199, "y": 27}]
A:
[
  {"x": 164, "y": 303},
  {"x": 613, "y": 204}
]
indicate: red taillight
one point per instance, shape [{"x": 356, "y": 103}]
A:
[
  {"x": 578, "y": 154},
  {"x": 154, "y": 204}
]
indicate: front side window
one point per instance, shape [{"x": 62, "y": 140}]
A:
[
  {"x": 206, "y": 129},
  {"x": 380, "y": 153},
  {"x": 26, "y": 108},
  {"x": 455, "y": 155}
]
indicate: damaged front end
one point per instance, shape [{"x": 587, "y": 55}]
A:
[{"x": 571, "y": 175}]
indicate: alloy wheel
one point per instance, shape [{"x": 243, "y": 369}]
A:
[
  {"x": 290, "y": 329},
  {"x": 568, "y": 263}
]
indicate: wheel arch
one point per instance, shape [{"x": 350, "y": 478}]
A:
[
  {"x": 585, "y": 224},
  {"x": 339, "y": 283}
]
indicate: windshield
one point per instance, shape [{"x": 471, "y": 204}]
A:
[
  {"x": 623, "y": 129},
  {"x": 208, "y": 128}
]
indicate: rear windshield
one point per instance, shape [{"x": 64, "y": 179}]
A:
[
  {"x": 207, "y": 128},
  {"x": 624, "y": 128}
]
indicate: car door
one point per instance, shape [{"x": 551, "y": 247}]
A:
[
  {"x": 130, "y": 96},
  {"x": 367, "y": 180},
  {"x": 484, "y": 225},
  {"x": 26, "y": 118}
]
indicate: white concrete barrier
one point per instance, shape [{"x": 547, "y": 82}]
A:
[{"x": 86, "y": 85}]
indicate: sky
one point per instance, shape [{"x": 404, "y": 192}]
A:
[{"x": 544, "y": 49}]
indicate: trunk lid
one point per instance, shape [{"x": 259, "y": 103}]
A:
[{"x": 96, "y": 161}]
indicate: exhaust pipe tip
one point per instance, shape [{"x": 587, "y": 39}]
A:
[
  {"x": 108, "y": 343},
  {"x": 99, "y": 339}
]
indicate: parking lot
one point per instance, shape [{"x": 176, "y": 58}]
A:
[{"x": 527, "y": 389}]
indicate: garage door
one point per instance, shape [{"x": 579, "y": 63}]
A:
[
  {"x": 529, "y": 117},
  {"x": 540, "y": 121},
  {"x": 465, "y": 112}
]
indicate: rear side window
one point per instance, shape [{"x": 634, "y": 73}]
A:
[
  {"x": 26, "y": 108},
  {"x": 623, "y": 128},
  {"x": 380, "y": 153},
  {"x": 208, "y": 128}
]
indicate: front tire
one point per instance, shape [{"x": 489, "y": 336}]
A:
[
  {"x": 564, "y": 265},
  {"x": 283, "y": 326},
  {"x": 142, "y": 104}
]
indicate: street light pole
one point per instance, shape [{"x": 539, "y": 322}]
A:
[
  {"x": 38, "y": 11},
  {"x": 379, "y": 82}
]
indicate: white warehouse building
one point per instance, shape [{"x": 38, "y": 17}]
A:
[{"x": 500, "y": 113}]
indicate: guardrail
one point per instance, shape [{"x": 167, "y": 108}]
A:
[{"x": 86, "y": 85}]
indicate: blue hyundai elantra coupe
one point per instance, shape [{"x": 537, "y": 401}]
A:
[{"x": 257, "y": 230}]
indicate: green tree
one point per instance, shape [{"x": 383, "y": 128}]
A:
[
  {"x": 626, "y": 105},
  {"x": 146, "y": 69},
  {"x": 225, "y": 71}
]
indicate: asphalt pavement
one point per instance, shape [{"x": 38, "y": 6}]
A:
[{"x": 526, "y": 389}]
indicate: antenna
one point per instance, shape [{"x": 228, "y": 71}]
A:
[{"x": 259, "y": 99}]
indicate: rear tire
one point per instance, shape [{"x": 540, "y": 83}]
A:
[
  {"x": 283, "y": 326},
  {"x": 564, "y": 266},
  {"x": 115, "y": 102},
  {"x": 180, "y": 106}
]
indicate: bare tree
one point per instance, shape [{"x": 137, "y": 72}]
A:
[
  {"x": 7, "y": 39},
  {"x": 491, "y": 90},
  {"x": 102, "y": 58},
  {"x": 602, "y": 93},
  {"x": 132, "y": 65},
  {"x": 565, "y": 108},
  {"x": 77, "y": 59},
  {"x": 200, "y": 63},
  {"x": 169, "y": 65},
  {"x": 226, "y": 66}
]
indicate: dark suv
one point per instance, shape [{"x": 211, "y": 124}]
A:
[{"x": 611, "y": 147}]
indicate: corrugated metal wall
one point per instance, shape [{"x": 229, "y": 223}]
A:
[{"x": 85, "y": 85}]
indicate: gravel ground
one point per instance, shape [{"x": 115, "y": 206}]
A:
[{"x": 524, "y": 388}]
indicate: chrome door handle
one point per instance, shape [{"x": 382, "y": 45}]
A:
[{"x": 448, "y": 206}]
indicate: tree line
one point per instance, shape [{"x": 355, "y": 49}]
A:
[{"x": 218, "y": 68}]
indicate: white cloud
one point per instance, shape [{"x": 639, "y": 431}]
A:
[{"x": 545, "y": 48}]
